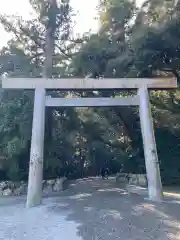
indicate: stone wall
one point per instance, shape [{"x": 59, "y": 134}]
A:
[
  {"x": 132, "y": 179},
  {"x": 9, "y": 188}
]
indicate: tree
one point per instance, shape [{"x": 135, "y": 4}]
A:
[{"x": 27, "y": 49}]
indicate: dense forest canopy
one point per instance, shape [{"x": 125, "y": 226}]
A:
[{"x": 130, "y": 42}]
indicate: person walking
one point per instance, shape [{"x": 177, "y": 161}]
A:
[{"x": 102, "y": 172}]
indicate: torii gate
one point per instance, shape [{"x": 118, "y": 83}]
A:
[{"x": 34, "y": 195}]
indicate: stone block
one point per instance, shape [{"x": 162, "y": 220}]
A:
[{"x": 7, "y": 192}]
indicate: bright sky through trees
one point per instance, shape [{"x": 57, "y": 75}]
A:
[{"x": 85, "y": 19}]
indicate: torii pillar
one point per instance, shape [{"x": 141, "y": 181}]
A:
[
  {"x": 149, "y": 143},
  {"x": 34, "y": 193}
]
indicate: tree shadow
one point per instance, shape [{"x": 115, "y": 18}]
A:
[{"x": 105, "y": 211}]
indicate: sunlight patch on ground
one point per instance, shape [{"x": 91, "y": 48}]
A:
[
  {"x": 137, "y": 211},
  {"x": 81, "y": 195},
  {"x": 112, "y": 213},
  {"x": 175, "y": 201},
  {"x": 120, "y": 190},
  {"x": 175, "y": 225},
  {"x": 88, "y": 209},
  {"x": 172, "y": 194},
  {"x": 153, "y": 208},
  {"x": 173, "y": 236}
]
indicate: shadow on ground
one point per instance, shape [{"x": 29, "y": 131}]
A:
[
  {"x": 92, "y": 209},
  {"x": 105, "y": 211}
]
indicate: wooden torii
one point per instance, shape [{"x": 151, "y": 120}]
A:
[{"x": 34, "y": 195}]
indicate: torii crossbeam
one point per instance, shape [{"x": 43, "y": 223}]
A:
[{"x": 34, "y": 196}]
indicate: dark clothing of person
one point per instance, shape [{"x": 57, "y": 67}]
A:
[{"x": 104, "y": 173}]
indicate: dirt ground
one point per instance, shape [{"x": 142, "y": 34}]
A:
[{"x": 92, "y": 209}]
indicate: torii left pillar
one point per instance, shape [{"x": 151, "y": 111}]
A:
[{"x": 34, "y": 195}]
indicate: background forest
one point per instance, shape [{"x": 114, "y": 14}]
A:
[{"x": 130, "y": 42}]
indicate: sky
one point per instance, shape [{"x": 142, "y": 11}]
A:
[{"x": 85, "y": 19}]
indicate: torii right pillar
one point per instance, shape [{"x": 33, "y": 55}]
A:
[{"x": 150, "y": 151}]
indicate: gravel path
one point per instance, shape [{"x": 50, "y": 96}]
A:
[
  {"x": 18, "y": 223},
  {"x": 91, "y": 209}
]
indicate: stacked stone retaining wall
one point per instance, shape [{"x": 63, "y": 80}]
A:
[
  {"x": 9, "y": 188},
  {"x": 132, "y": 179}
]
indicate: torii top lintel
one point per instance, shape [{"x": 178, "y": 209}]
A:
[{"x": 88, "y": 83}]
